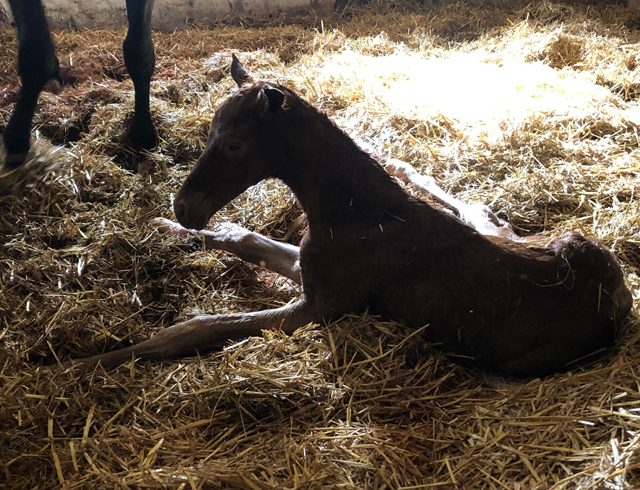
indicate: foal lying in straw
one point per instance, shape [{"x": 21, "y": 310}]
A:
[{"x": 522, "y": 310}]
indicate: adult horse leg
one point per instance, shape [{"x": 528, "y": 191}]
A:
[
  {"x": 247, "y": 245},
  {"x": 476, "y": 215},
  {"x": 140, "y": 59},
  {"x": 37, "y": 64}
]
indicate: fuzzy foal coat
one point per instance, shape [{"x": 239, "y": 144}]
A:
[{"x": 516, "y": 309}]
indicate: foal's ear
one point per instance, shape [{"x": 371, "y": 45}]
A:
[
  {"x": 239, "y": 75},
  {"x": 274, "y": 96}
]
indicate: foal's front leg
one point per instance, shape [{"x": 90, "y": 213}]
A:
[
  {"x": 475, "y": 215},
  {"x": 247, "y": 245},
  {"x": 206, "y": 332}
]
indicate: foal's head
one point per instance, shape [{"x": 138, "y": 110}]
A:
[{"x": 242, "y": 149}]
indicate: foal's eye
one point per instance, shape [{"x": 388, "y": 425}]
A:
[{"x": 234, "y": 146}]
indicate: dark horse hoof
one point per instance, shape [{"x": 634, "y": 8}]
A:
[
  {"x": 13, "y": 161},
  {"x": 16, "y": 143},
  {"x": 142, "y": 134}
]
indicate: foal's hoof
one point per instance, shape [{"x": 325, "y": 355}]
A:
[
  {"x": 142, "y": 134},
  {"x": 164, "y": 225}
]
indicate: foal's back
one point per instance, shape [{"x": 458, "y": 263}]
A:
[{"x": 521, "y": 310}]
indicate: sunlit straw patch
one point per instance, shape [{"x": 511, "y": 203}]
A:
[{"x": 462, "y": 87}]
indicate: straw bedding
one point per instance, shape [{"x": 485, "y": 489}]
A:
[{"x": 361, "y": 403}]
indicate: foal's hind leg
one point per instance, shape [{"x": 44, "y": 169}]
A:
[
  {"x": 247, "y": 245},
  {"x": 475, "y": 215},
  {"x": 37, "y": 64},
  {"x": 206, "y": 332}
]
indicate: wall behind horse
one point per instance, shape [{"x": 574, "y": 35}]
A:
[{"x": 168, "y": 14}]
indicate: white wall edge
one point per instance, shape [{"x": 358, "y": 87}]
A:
[{"x": 168, "y": 14}]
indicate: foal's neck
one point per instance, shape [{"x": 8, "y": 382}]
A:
[{"x": 331, "y": 176}]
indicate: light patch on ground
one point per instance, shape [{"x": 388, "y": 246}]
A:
[{"x": 461, "y": 87}]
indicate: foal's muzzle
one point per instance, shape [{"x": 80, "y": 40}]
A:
[{"x": 191, "y": 211}]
